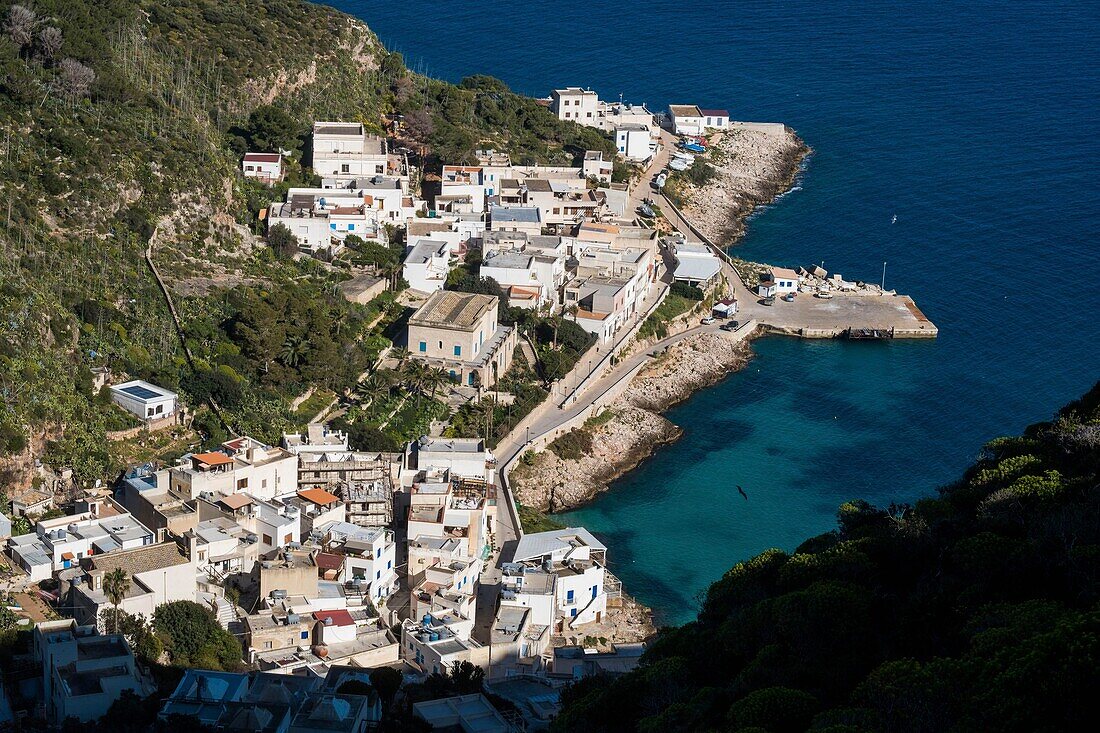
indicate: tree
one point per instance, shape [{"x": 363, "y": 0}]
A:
[
  {"x": 49, "y": 42},
  {"x": 194, "y": 637},
  {"x": 115, "y": 586},
  {"x": 271, "y": 129},
  {"x": 467, "y": 677},
  {"x": 282, "y": 241},
  {"x": 386, "y": 681},
  {"x": 294, "y": 350},
  {"x": 76, "y": 78},
  {"x": 419, "y": 126},
  {"x": 19, "y": 25}
]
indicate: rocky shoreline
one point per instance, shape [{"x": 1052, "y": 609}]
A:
[
  {"x": 631, "y": 428},
  {"x": 754, "y": 167}
]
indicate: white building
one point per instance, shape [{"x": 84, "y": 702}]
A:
[
  {"x": 634, "y": 143},
  {"x": 343, "y": 151},
  {"x": 614, "y": 114},
  {"x": 243, "y": 464},
  {"x": 517, "y": 272},
  {"x": 696, "y": 265},
  {"x": 61, "y": 543},
  {"x": 688, "y": 119},
  {"x": 158, "y": 574},
  {"x": 321, "y": 219},
  {"x": 265, "y": 167},
  {"x": 370, "y": 555},
  {"x": 576, "y": 559},
  {"x": 459, "y": 334},
  {"x": 427, "y": 265},
  {"x": 464, "y": 712},
  {"x": 527, "y": 219},
  {"x": 436, "y": 642},
  {"x": 778, "y": 281},
  {"x": 147, "y": 401},
  {"x": 574, "y": 104},
  {"x": 462, "y": 190},
  {"x": 594, "y": 166},
  {"x": 82, "y": 672}
]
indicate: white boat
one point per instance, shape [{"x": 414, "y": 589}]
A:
[
  {"x": 683, "y": 156},
  {"x": 824, "y": 294},
  {"x": 679, "y": 164}
]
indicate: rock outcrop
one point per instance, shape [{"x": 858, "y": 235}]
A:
[{"x": 631, "y": 428}]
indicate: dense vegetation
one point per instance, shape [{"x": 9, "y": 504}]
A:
[
  {"x": 977, "y": 610},
  {"x": 122, "y": 123}
]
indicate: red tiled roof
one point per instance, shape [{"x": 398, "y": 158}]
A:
[
  {"x": 339, "y": 617},
  {"x": 263, "y": 157},
  {"x": 212, "y": 459},
  {"x": 328, "y": 560},
  {"x": 236, "y": 501},
  {"x": 715, "y": 112},
  {"x": 318, "y": 496}
]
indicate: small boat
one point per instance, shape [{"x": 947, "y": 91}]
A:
[
  {"x": 679, "y": 164},
  {"x": 693, "y": 148},
  {"x": 683, "y": 156}
]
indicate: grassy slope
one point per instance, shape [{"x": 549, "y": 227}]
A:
[
  {"x": 976, "y": 610},
  {"x": 148, "y": 151}
]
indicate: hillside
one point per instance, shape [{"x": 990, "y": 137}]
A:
[
  {"x": 978, "y": 610},
  {"x": 122, "y": 124}
]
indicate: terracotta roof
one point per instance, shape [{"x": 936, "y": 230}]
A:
[
  {"x": 328, "y": 560},
  {"x": 236, "y": 501},
  {"x": 139, "y": 559},
  {"x": 318, "y": 496},
  {"x": 212, "y": 459},
  {"x": 67, "y": 556},
  {"x": 339, "y": 617},
  {"x": 263, "y": 157},
  {"x": 715, "y": 112}
]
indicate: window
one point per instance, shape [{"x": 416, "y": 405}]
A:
[
  {"x": 377, "y": 574},
  {"x": 379, "y": 553},
  {"x": 572, "y": 612},
  {"x": 287, "y": 539},
  {"x": 332, "y": 227},
  {"x": 263, "y": 483},
  {"x": 345, "y": 168},
  {"x": 389, "y": 565},
  {"x": 594, "y": 591},
  {"x": 305, "y": 634},
  {"x": 267, "y": 645},
  {"x": 242, "y": 484},
  {"x": 423, "y": 346},
  {"x": 160, "y": 409},
  {"x": 267, "y": 540},
  {"x": 379, "y": 169},
  {"x": 351, "y": 227},
  {"x": 569, "y": 596},
  {"x": 441, "y": 346},
  {"x": 589, "y": 114},
  {"x": 458, "y": 350}
]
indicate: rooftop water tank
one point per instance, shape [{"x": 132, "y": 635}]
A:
[
  {"x": 435, "y": 636},
  {"x": 427, "y": 620}
]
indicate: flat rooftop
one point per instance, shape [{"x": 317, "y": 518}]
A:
[{"x": 524, "y": 214}]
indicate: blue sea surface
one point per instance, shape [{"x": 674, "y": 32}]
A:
[{"x": 974, "y": 123}]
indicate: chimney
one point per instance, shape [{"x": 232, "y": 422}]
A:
[{"x": 192, "y": 546}]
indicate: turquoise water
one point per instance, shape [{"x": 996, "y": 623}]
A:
[{"x": 975, "y": 123}]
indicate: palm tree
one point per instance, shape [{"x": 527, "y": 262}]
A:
[
  {"x": 115, "y": 586},
  {"x": 294, "y": 350},
  {"x": 434, "y": 379}
]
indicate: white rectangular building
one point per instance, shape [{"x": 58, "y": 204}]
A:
[
  {"x": 147, "y": 401},
  {"x": 574, "y": 104},
  {"x": 634, "y": 143},
  {"x": 265, "y": 167}
]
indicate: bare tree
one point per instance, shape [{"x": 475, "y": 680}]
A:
[
  {"x": 49, "y": 42},
  {"x": 19, "y": 25},
  {"x": 76, "y": 78}
]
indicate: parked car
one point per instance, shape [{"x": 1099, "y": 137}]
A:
[
  {"x": 730, "y": 326},
  {"x": 824, "y": 294},
  {"x": 789, "y": 297},
  {"x": 707, "y": 321},
  {"x": 770, "y": 300}
]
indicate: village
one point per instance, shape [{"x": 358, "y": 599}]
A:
[{"x": 325, "y": 561}]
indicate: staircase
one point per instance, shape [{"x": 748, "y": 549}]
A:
[{"x": 224, "y": 611}]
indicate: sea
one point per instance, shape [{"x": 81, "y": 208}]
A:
[{"x": 975, "y": 124}]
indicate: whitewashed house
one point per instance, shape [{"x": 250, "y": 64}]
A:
[
  {"x": 147, "y": 401},
  {"x": 576, "y": 559},
  {"x": 574, "y": 104},
  {"x": 634, "y": 143},
  {"x": 778, "y": 281},
  {"x": 265, "y": 167},
  {"x": 427, "y": 264},
  {"x": 715, "y": 119},
  {"x": 343, "y": 151}
]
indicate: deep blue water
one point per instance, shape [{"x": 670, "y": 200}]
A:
[{"x": 975, "y": 123}]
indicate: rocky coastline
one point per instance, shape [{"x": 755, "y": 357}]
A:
[
  {"x": 631, "y": 428},
  {"x": 753, "y": 167}
]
